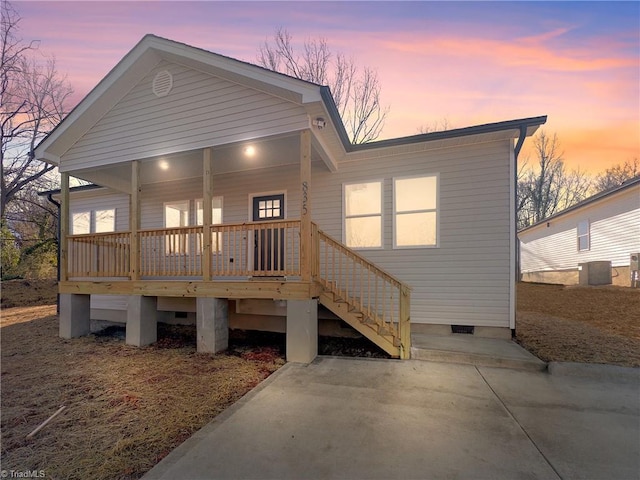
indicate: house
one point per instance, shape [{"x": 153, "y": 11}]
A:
[
  {"x": 602, "y": 228},
  {"x": 230, "y": 195}
]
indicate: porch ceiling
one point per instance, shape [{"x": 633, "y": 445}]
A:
[{"x": 269, "y": 152}]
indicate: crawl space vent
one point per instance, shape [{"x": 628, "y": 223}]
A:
[
  {"x": 162, "y": 84},
  {"x": 465, "y": 329}
]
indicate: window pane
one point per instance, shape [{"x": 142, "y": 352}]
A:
[
  {"x": 216, "y": 211},
  {"x": 176, "y": 214},
  {"x": 105, "y": 221},
  {"x": 216, "y": 215},
  {"x": 416, "y": 194},
  {"x": 583, "y": 243},
  {"x": 416, "y": 229},
  {"x": 363, "y": 198},
  {"x": 363, "y": 232},
  {"x": 81, "y": 223},
  {"x": 583, "y": 227}
]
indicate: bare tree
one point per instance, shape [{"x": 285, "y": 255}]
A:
[
  {"x": 436, "y": 126},
  {"x": 617, "y": 175},
  {"x": 546, "y": 187},
  {"x": 356, "y": 91},
  {"x": 32, "y": 102}
]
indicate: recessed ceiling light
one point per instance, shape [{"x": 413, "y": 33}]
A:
[
  {"x": 250, "y": 150},
  {"x": 163, "y": 164}
]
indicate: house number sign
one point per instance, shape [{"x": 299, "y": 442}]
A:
[{"x": 305, "y": 197}]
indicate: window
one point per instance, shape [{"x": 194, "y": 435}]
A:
[
  {"x": 267, "y": 209},
  {"x": 363, "y": 215},
  {"x": 176, "y": 215},
  {"x": 416, "y": 211},
  {"x": 216, "y": 211},
  {"x": 104, "y": 221},
  {"x": 583, "y": 235},
  {"x": 81, "y": 223},
  {"x": 216, "y": 219},
  {"x": 93, "y": 221}
]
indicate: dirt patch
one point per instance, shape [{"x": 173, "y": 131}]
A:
[
  {"x": 126, "y": 407},
  {"x": 580, "y": 324},
  {"x": 22, "y": 293}
]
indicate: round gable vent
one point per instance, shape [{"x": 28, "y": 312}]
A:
[{"x": 162, "y": 84}]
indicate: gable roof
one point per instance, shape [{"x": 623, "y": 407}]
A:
[
  {"x": 140, "y": 60},
  {"x": 588, "y": 201},
  {"x": 152, "y": 49}
]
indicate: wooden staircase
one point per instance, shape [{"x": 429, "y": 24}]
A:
[{"x": 372, "y": 301}]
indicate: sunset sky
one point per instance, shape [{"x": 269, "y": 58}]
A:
[{"x": 466, "y": 62}]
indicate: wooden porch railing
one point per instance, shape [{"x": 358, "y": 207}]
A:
[
  {"x": 99, "y": 255},
  {"x": 367, "y": 294},
  {"x": 380, "y": 296},
  {"x": 261, "y": 249}
]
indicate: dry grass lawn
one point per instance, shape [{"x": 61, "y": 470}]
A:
[
  {"x": 128, "y": 407},
  {"x": 580, "y": 324}
]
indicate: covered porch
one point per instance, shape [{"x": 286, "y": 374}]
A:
[{"x": 264, "y": 256}]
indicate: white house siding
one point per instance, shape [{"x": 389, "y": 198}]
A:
[
  {"x": 463, "y": 281},
  {"x": 614, "y": 235},
  {"x": 200, "y": 111},
  {"x": 103, "y": 199}
]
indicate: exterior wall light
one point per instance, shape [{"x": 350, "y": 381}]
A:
[{"x": 319, "y": 122}]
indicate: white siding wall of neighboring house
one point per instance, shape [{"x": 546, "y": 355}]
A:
[
  {"x": 465, "y": 280},
  {"x": 200, "y": 111},
  {"x": 614, "y": 234}
]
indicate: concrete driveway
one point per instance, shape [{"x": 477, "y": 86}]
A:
[{"x": 379, "y": 419}]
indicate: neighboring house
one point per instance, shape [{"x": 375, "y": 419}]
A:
[
  {"x": 415, "y": 233},
  {"x": 602, "y": 228}
]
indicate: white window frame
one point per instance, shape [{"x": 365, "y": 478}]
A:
[
  {"x": 586, "y": 235},
  {"x": 380, "y": 215},
  {"x": 435, "y": 210},
  {"x": 92, "y": 220}
]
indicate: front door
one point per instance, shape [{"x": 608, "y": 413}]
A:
[{"x": 268, "y": 246}]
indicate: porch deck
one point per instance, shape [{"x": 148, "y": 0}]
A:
[{"x": 249, "y": 260}]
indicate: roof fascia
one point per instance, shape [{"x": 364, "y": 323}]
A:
[
  {"x": 235, "y": 70},
  {"x": 531, "y": 124},
  {"x": 78, "y": 188},
  {"x": 587, "y": 201}
]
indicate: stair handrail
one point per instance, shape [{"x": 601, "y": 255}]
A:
[
  {"x": 363, "y": 260},
  {"x": 404, "y": 290}
]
